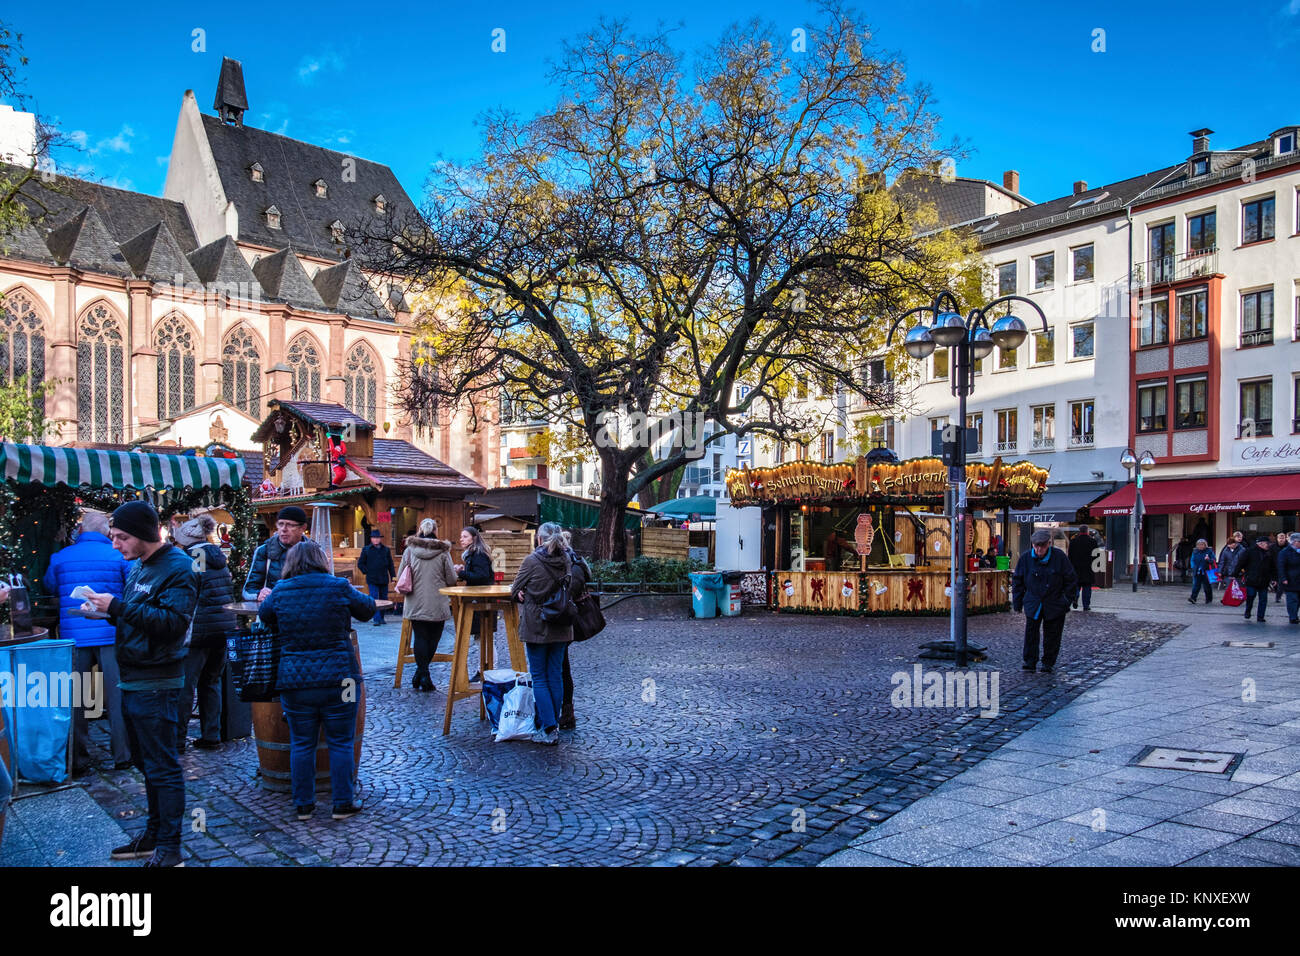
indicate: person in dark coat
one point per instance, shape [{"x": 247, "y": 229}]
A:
[
  {"x": 1275, "y": 550},
  {"x": 1256, "y": 570},
  {"x": 1082, "y": 553},
  {"x": 1042, "y": 586},
  {"x": 1232, "y": 552},
  {"x": 1182, "y": 555},
  {"x": 264, "y": 569},
  {"x": 319, "y": 679},
  {"x": 376, "y": 563},
  {"x": 476, "y": 572},
  {"x": 545, "y": 642},
  {"x": 212, "y": 625},
  {"x": 1202, "y": 562},
  {"x": 1288, "y": 578},
  {"x": 91, "y": 560}
]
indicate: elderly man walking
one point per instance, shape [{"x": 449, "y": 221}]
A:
[
  {"x": 1288, "y": 576},
  {"x": 1043, "y": 586}
]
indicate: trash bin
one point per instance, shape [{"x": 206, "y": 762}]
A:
[
  {"x": 733, "y": 598},
  {"x": 706, "y": 587},
  {"x": 1003, "y": 562}
]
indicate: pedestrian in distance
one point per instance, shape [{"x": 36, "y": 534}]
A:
[
  {"x": 213, "y": 624},
  {"x": 376, "y": 563},
  {"x": 1256, "y": 570},
  {"x": 426, "y": 607},
  {"x": 1042, "y": 586},
  {"x": 476, "y": 571},
  {"x": 1275, "y": 550},
  {"x": 1082, "y": 553},
  {"x": 539, "y": 575},
  {"x": 1232, "y": 552},
  {"x": 1288, "y": 565},
  {"x": 1182, "y": 555},
  {"x": 1202, "y": 563},
  {"x": 152, "y": 621},
  {"x": 268, "y": 559},
  {"x": 91, "y": 560},
  {"x": 319, "y": 679}
]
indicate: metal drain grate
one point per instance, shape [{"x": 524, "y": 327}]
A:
[
  {"x": 1247, "y": 643},
  {"x": 1204, "y": 761}
]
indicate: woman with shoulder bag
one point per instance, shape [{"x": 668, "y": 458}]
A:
[{"x": 428, "y": 558}]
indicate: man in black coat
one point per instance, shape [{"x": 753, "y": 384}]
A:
[
  {"x": 1083, "y": 547},
  {"x": 1275, "y": 552},
  {"x": 1288, "y": 576},
  {"x": 1182, "y": 555},
  {"x": 376, "y": 563},
  {"x": 1042, "y": 586},
  {"x": 1256, "y": 570}
]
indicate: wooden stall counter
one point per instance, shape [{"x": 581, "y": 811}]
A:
[{"x": 886, "y": 591}]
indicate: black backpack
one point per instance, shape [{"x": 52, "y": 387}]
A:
[{"x": 558, "y": 608}]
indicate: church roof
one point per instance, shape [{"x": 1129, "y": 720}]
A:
[
  {"x": 84, "y": 241},
  {"x": 283, "y": 277},
  {"x": 345, "y": 289},
  {"x": 221, "y": 264},
  {"x": 155, "y": 254}
]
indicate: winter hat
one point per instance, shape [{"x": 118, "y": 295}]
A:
[
  {"x": 138, "y": 519},
  {"x": 292, "y": 513},
  {"x": 1041, "y": 536},
  {"x": 376, "y": 533},
  {"x": 194, "y": 531}
]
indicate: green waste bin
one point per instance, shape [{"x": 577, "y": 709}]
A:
[
  {"x": 1004, "y": 562},
  {"x": 706, "y": 587}
]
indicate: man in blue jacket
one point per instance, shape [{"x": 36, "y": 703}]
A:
[
  {"x": 1043, "y": 586},
  {"x": 153, "y": 620},
  {"x": 91, "y": 560}
]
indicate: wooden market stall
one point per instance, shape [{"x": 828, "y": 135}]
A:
[{"x": 870, "y": 537}]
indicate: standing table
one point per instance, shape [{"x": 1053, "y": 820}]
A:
[{"x": 465, "y": 600}]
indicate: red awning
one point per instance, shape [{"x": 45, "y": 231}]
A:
[{"x": 1206, "y": 495}]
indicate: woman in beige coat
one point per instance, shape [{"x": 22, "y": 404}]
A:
[{"x": 429, "y": 559}]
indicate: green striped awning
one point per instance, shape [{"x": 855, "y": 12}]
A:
[{"x": 116, "y": 469}]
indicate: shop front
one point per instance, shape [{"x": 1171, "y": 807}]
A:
[{"x": 871, "y": 538}]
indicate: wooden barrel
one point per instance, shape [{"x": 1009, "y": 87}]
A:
[{"x": 272, "y": 733}]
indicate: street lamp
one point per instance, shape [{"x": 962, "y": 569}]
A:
[
  {"x": 1135, "y": 466},
  {"x": 970, "y": 339}
]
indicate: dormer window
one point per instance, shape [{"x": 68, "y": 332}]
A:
[
  {"x": 321, "y": 188},
  {"x": 272, "y": 217},
  {"x": 380, "y": 203},
  {"x": 336, "y": 230},
  {"x": 1200, "y": 166},
  {"x": 256, "y": 173},
  {"x": 1285, "y": 143}
]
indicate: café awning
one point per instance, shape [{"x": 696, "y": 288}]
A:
[
  {"x": 99, "y": 467},
  {"x": 1206, "y": 495}
]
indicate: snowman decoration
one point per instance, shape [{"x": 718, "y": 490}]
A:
[
  {"x": 788, "y": 587},
  {"x": 847, "y": 590}
]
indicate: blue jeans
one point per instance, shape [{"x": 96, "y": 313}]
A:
[
  {"x": 379, "y": 593},
  {"x": 305, "y": 711},
  {"x": 546, "y": 664},
  {"x": 150, "y": 717},
  {"x": 1199, "y": 581},
  {"x": 1292, "y": 605},
  {"x": 1251, "y": 594}
]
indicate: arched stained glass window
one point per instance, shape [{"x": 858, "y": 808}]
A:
[
  {"x": 22, "y": 341},
  {"x": 304, "y": 359},
  {"x": 174, "y": 341},
  {"x": 361, "y": 382},
  {"x": 101, "y": 376},
  {"x": 241, "y": 372}
]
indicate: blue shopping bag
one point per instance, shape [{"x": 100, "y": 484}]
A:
[
  {"x": 1212, "y": 576},
  {"x": 496, "y": 684}
]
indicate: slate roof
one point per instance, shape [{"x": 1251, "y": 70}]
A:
[
  {"x": 84, "y": 241},
  {"x": 220, "y": 263},
  {"x": 283, "y": 277},
  {"x": 344, "y": 289},
  {"x": 290, "y": 167},
  {"x": 397, "y": 464},
  {"x": 961, "y": 200},
  {"x": 155, "y": 254},
  {"x": 326, "y": 414}
]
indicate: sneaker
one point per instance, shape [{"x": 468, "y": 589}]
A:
[
  {"x": 546, "y": 739},
  {"x": 201, "y": 744},
  {"x": 164, "y": 858},
  {"x": 140, "y": 848},
  {"x": 304, "y": 813},
  {"x": 1191, "y": 600},
  {"x": 344, "y": 813}
]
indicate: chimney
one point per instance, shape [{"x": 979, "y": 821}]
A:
[
  {"x": 1080, "y": 186},
  {"x": 1200, "y": 140},
  {"x": 1011, "y": 181}
]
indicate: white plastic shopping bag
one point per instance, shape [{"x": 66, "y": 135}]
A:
[{"x": 517, "y": 711}]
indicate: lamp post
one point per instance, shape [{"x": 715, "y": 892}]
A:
[
  {"x": 969, "y": 339},
  {"x": 1135, "y": 466}
]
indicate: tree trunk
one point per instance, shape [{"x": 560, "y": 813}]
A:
[{"x": 611, "y": 542}]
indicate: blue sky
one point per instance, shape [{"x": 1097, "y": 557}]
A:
[{"x": 404, "y": 84}]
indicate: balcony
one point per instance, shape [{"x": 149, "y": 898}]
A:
[
  {"x": 1005, "y": 448},
  {"x": 1168, "y": 269},
  {"x": 1083, "y": 441},
  {"x": 525, "y": 454},
  {"x": 1258, "y": 337},
  {"x": 1042, "y": 444}
]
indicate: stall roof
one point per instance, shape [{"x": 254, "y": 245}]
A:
[
  {"x": 324, "y": 414},
  {"x": 102, "y": 467}
]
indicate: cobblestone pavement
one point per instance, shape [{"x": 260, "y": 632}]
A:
[{"x": 749, "y": 741}]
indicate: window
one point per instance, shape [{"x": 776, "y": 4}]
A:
[
  {"x": 827, "y": 446},
  {"x": 1081, "y": 431},
  {"x": 1256, "y": 409},
  {"x": 1152, "y": 407},
  {"x": 1044, "y": 270},
  {"x": 778, "y": 452},
  {"x": 380, "y": 203},
  {"x": 1286, "y": 143},
  {"x": 1192, "y": 314},
  {"x": 336, "y": 231},
  {"x": 1045, "y": 347},
  {"x": 174, "y": 342},
  {"x": 1007, "y": 278},
  {"x": 1201, "y": 233},
  {"x": 1160, "y": 246},
  {"x": 938, "y": 424},
  {"x": 975, "y": 420},
  {"x": 1189, "y": 402},
  {"x": 1007, "y": 358},
  {"x": 1044, "y": 436},
  {"x": 1257, "y": 220},
  {"x": 101, "y": 376},
  {"x": 256, "y": 173},
  {"x": 360, "y": 382},
  {"x": 1081, "y": 340},
  {"x": 272, "y": 217},
  {"x": 1201, "y": 166},
  {"x": 22, "y": 342},
  {"x": 241, "y": 372},
  {"x": 304, "y": 360},
  {"x": 1153, "y": 324},
  {"x": 1295, "y": 405},
  {"x": 1257, "y": 318},
  {"x": 882, "y": 435},
  {"x": 940, "y": 368},
  {"x": 1082, "y": 257},
  {"x": 320, "y": 188},
  {"x": 1007, "y": 424}
]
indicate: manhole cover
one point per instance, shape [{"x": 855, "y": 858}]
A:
[
  {"x": 1205, "y": 761},
  {"x": 1247, "y": 643}
]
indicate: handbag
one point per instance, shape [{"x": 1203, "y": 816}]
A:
[
  {"x": 405, "y": 581},
  {"x": 254, "y": 656},
  {"x": 590, "y": 619},
  {"x": 1233, "y": 595},
  {"x": 558, "y": 608},
  {"x": 1212, "y": 576}
]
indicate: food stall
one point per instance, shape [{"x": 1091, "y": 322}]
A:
[{"x": 871, "y": 537}]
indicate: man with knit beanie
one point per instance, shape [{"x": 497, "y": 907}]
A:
[
  {"x": 152, "y": 621},
  {"x": 264, "y": 569}
]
